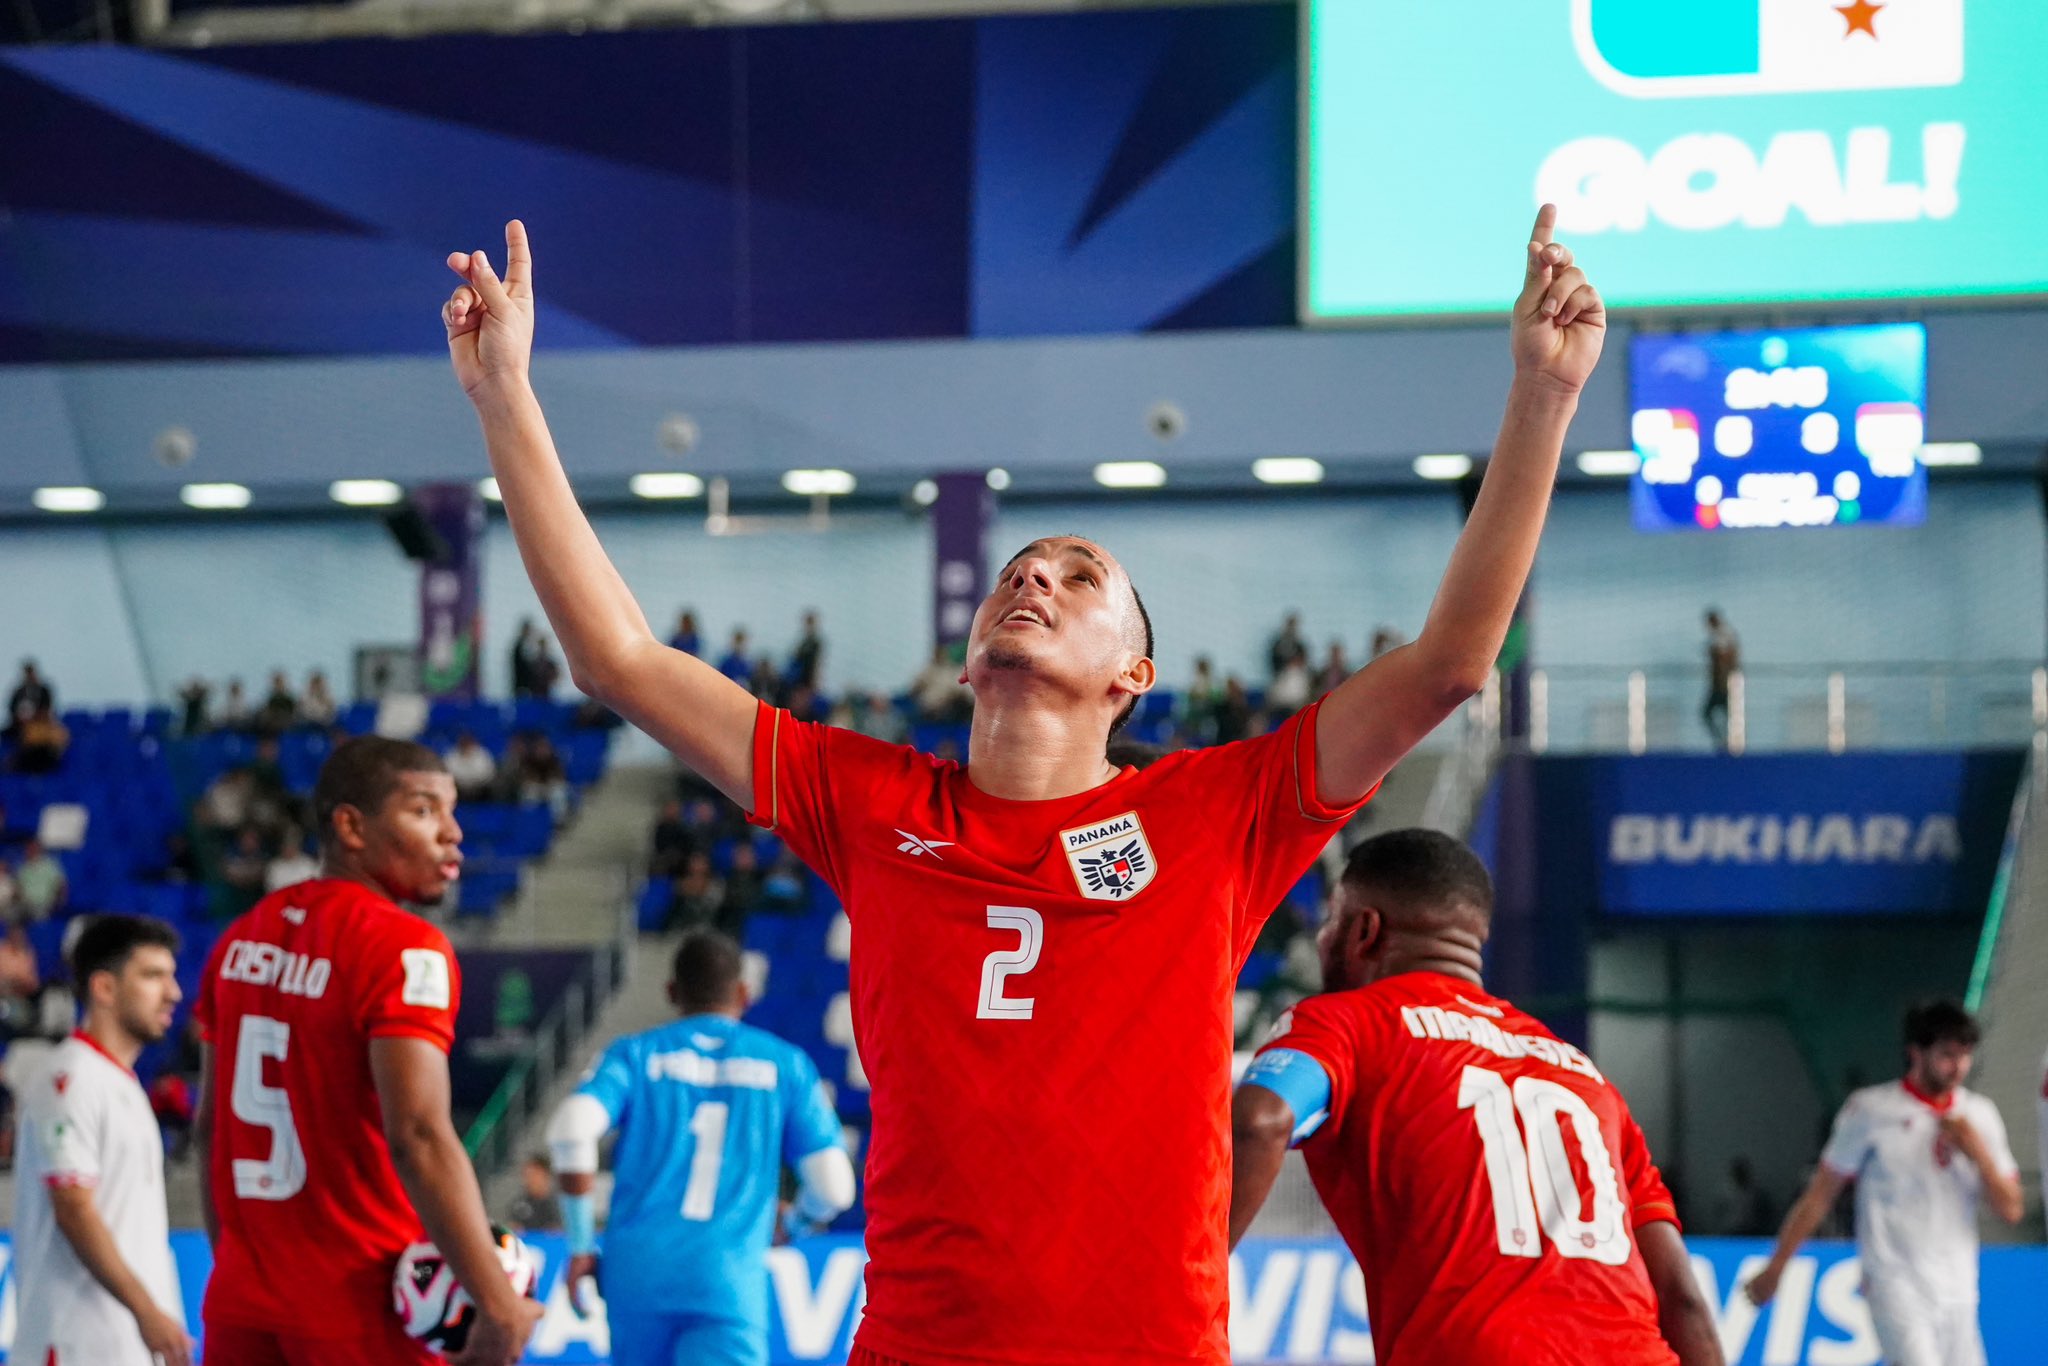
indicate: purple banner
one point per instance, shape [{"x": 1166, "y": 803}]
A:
[
  {"x": 961, "y": 517},
  {"x": 451, "y": 591}
]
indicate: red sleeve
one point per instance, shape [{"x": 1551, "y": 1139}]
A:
[
  {"x": 1285, "y": 825},
  {"x": 1326, "y": 1029},
  {"x": 1649, "y": 1198},
  {"x": 411, "y": 984},
  {"x": 800, "y": 767}
]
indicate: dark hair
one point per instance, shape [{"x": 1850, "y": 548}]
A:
[
  {"x": 107, "y": 940},
  {"x": 1940, "y": 1021},
  {"x": 706, "y": 969},
  {"x": 362, "y": 772},
  {"x": 1422, "y": 870}
]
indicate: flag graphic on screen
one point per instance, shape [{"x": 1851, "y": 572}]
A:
[{"x": 1650, "y": 49}]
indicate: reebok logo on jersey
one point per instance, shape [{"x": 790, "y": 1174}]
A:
[
  {"x": 295, "y": 914},
  {"x": 1111, "y": 860},
  {"x": 918, "y": 848}
]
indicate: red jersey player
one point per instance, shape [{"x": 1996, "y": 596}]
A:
[
  {"x": 1045, "y": 943},
  {"x": 1499, "y": 1199},
  {"x": 328, "y": 1014}
]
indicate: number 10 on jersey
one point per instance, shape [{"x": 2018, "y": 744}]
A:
[{"x": 1530, "y": 1170}]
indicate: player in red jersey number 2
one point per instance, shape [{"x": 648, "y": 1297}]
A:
[
  {"x": 328, "y": 1013},
  {"x": 1044, "y": 943},
  {"x": 1497, "y": 1194}
]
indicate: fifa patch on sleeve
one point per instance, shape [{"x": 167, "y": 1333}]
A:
[{"x": 426, "y": 978}]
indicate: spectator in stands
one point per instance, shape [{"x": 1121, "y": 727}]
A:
[
  {"x": 1336, "y": 668},
  {"x": 10, "y": 894},
  {"x": 234, "y": 708},
  {"x": 31, "y": 694},
  {"x": 192, "y": 700},
  {"x": 743, "y": 886},
  {"x": 876, "y": 717},
  {"x": 940, "y": 693},
  {"x": 547, "y": 670},
  {"x": 181, "y": 860},
  {"x": 525, "y": 653},
  {"x": 783, "y": 888},
  {"x": 40, "y": 742},
  {"x": 1742, "y": 1209},
  {"x": 471, "y": 766},
  {"x": 1724, "y": 661},
  {"x": 19, "y": 983},
  {"x": 41, "y": 886},
  {"x": 280, "y": 710},
  {"x": 1287, "y": 647},
  {"x": 766, "y": 683},
  {"x": 317, "y": 706},
  {"x": 1291, "y": 688},
  {"x": 538, "y": 775},
  {"x": 242, "y": 871},
  {"x": 695, "y": 895},
  {"x": 1385, "y": 639},
  {"x": 1199, "y": 704},
  {"x": 1234, "y": 713},
  {"x": 737, "y": 664},
  {"x": 673, "y": 842},
  {"x": 809, "y": 654},
  {"x": 535, "y": 1209},
  {"x": 272, "y": 803},
  {"x": 802, "y": 703},
  {"x": 686, "y": 637},
  {"x": 292, "y": 864},
  {"x": 226, "y": 804}
]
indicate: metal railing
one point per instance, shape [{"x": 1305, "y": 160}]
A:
[
  {"x": 1881, "y": 705},
  {"x": 556, "y": 1038}
]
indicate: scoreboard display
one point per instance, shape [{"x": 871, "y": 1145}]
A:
[{"x": 1801, "y": 428}]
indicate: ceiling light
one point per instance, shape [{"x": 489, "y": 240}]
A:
[
  {"x": 214, "y": 496},
  {"x": 70, "y": 499},
  {"x": 1609, "y": 464},
  {"x": 489, "y": 489},
  {"x": 1951, "y": 453},
  {"x": 666, "y": 484},
  {"x": 999, "y": 479},
  {"x": 365, "y": 493},
  {"x": 1130, "y": 474},
  {"x": 811, "y": 483},
  {"x": 1287, "y": 469},
  {"x": 924, "y": 492},
  {"x": 1443, "y": 466}
]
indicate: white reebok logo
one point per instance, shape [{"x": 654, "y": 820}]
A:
[
  {"x": 917, "y": 848},
  {"x": 295, "y": 914}
]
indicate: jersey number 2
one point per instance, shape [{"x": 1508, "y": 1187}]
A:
[
  {"x": 259, "y": 1104},
  {"x": 1515, "y": 1167},
  {"x": 1003, "y": 964}
]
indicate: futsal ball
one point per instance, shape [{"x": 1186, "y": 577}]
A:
[{"x": 434, "y": 1308}]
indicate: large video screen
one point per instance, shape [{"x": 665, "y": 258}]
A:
[
  {"x": 1715, "y": 153},
  {"x": 1808, "y": 427}
]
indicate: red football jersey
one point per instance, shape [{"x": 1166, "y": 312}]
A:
[
  {"x": 1041, "y": 998},
  {"x": 312, "y": 1215},
  {"x": 1486, "y": 1176}
]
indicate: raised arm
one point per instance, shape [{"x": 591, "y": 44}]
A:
[
  {"x": 1801, "y": 1220},
  {"x": 705, "y": 718},
  {"x": 1376, "y": 716}
]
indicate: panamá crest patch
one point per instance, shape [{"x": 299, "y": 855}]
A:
[{"x": 1111, "y": 859}]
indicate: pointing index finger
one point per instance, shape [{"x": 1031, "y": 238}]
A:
[{"x": 1546, "y": 221}]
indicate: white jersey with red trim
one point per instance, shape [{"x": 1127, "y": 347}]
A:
[
  {"x": 1916, "y": 1195},
  {"x": 85, "y": 1121}
]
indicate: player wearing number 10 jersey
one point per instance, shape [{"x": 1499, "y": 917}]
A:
[
  {"x": 328, "y": 1013},
  {"x": 1498, "y": 1196}
]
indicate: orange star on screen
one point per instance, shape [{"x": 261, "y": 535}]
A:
[{"x": 1860, "y": 17}]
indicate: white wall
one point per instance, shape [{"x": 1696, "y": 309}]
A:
[{"x": 119, "y": 614}]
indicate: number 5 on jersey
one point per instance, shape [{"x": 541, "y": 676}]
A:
[{"x": 260, "y": 1105}]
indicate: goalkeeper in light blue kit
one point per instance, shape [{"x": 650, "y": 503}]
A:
[{"x": 709, "y": 1111}]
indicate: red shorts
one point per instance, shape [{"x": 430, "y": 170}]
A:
[{"x": 230, "y": 1344}]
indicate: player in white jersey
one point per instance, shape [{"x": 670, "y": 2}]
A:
[
  {"x": 1924, "y": 1152},
  {"x": 95, "y": 1283}
]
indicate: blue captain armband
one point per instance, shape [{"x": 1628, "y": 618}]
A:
[{"x": 1297, "y": 1079}]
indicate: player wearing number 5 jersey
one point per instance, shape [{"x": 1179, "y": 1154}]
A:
[
  {"x": 1498, "y": 1196},
  {"x": 328, "y": 1013},
  {"x": 1044, "y": 943},
  {"x": 708, "y": 1112}
]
